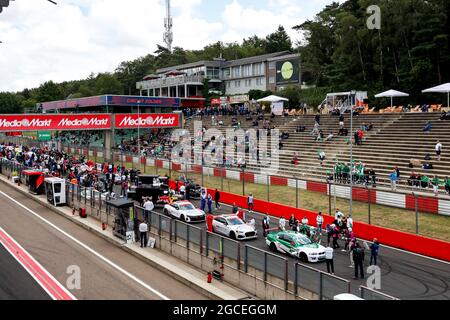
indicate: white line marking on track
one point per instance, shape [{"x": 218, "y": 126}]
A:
[
  {"x": 30, "y": 271},
  {"x": 95, "y": 253}
]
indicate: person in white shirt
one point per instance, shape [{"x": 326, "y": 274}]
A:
[
  {"x": 143, "y": 229},
  {"x": 148, "y": 207},
  {"x": 183, "y": 191},
  {"x": 319, "y": 221},
  {"x": 282, "y": 224},
  {"x": 438, "y": 149},
  {"x": 349, "y": 222},
  {"x": 329, "y": 259},
  {"x": 252, "y": 222},
  {"x": 305, "y": 221}
]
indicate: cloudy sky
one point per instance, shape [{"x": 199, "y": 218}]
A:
[{"x": 44, "y": 42}]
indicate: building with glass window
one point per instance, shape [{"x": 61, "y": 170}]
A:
[{"x": 237, "y": 77}]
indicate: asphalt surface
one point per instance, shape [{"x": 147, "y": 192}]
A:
[
  {"x": 56, "y": 252},
  {"x": 15, "y": 282},
  {"x": 403, "y": 275}
]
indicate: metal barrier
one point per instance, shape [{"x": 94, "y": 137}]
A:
[
  {"x": 325, "y": 285},
  {"x": 371, "y": 294}
]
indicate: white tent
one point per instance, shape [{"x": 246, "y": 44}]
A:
[
  {"x": 443, "y": 88},
  {"x": 272, "y": 99},
  {"x": 391, "y": 94}
]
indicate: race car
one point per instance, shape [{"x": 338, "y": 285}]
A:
[
  {"x": 232, "y": 226},
  {"x": 86, "y": 193},
  {"x": 184, "y": 211},
  {"x": 297, "y": 245}
]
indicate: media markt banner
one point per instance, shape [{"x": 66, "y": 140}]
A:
[{"x": 44, "y": 136}]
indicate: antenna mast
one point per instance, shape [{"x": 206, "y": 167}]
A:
[{"x": 168, "y": 24}]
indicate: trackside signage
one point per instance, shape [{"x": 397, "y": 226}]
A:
[
  {"x": 134, "y": 121},
  {"x": 32, "y": 122}
]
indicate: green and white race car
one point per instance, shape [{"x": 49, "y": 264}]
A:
[{"x": 297, "y": 245}]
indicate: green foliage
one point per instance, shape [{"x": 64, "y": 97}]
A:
[
  {"x": 10, "y": 103},
  {"x": 409, "y": 53}
]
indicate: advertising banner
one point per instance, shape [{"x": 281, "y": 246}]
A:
[
  {"x": 134, "y": 121},
  {"x": 46, "y": 122},
  {"x": 134, "y": 101},
  {"x": 288, "y": 71}
]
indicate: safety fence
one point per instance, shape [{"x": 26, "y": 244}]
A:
[{"x": 371, "y": 294}]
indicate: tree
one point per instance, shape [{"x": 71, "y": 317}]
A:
[
  {"x": 278, "y": 41},
  {"x": 107, "y": 83},
  {"x": 10, "y": 103}
]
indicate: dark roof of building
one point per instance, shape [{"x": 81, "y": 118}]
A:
[
  {"x": 219, "y": 63},
  {"x": 254, "y": 59}
]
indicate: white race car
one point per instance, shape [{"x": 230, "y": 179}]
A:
[
  {"x": 232, "y": 226},
  {"x": 86, "y": 193},
  {"x": 184, "y": 211}
]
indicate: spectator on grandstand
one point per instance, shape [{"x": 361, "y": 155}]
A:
[
  {"x": 445, "y": 115},
  {"x": 424, "y": 182},
  {"x": 428, "y": 127},
  {"x": 295, "y": 159},
  {"x": 397, "y": 171},
  {"x": 322, "y": 157},
  {"x": 374, "y": 250},
  {"x": 317, "y": 118},
  {"x": 438, "y": 149},
  {"x": 319, "y": 136},
  {"x": 341, "y": 121},
  {"x": 300, "y": 129},
  {"x": 373, "y": 177},
  {"x": 447, "y": 185},
  {"x": 393, "y": 178},
  {"x": 329, "y": 137},
  {"x": 315, "y": 130},
  {"x": 436, "y": 182}
]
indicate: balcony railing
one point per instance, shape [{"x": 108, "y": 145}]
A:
[{"x": 170, "y": 81}]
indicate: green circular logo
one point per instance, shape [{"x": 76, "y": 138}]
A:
[{"x": 287, "y": 70}]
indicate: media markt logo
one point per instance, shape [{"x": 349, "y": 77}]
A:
[
  {"x": 149, "y": 121},
  {"x": 25, "y": 123},
  {"x": 287, "y": 70}
]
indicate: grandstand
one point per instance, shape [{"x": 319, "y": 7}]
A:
[{"x": 396, "y": 138}]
